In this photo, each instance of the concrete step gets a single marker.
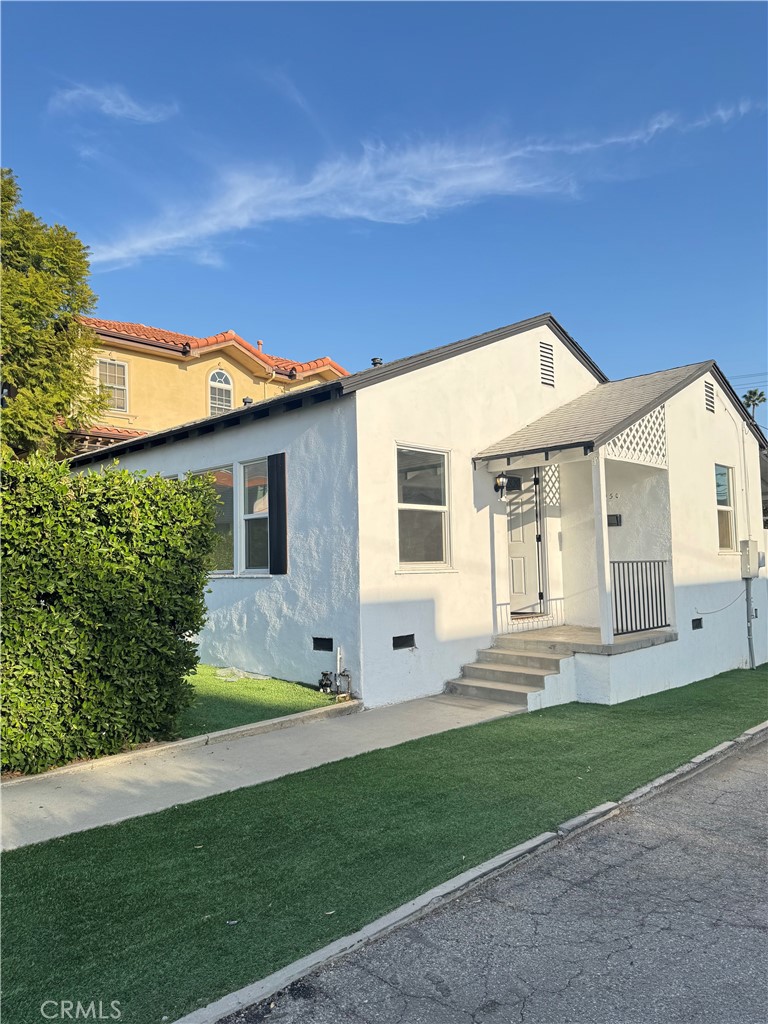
(505, 673)
(521, 659)
(487, 689)
(528, 642)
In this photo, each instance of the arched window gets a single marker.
(220, 392)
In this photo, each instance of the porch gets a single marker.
(582, 526)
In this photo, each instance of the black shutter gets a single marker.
(278, 520)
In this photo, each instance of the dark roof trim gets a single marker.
(291, 400)
(377, 374)
(588, 447)
(163, 346)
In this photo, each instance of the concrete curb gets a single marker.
(457, 886)
(348, 707)
(410, 911)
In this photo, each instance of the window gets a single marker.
(709, 396)
(260, 542)
(113, 378)
(256, 515)
(220, 392)
(725, 524)
(547, 363)
(422, 507)
(224, 547)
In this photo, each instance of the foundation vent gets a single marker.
(404, 643)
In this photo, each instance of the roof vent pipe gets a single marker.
(247, 400)
(377, 361)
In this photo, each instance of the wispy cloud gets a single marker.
(112, 101)
(384, 184)
(287, 88)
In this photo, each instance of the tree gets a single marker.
(48, 385)
(752, 400)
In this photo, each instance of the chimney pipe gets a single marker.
(377, 361)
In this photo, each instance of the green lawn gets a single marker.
(140, 911)
(222, 703)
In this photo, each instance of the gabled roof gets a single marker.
(594, 418)
(183, 344)
(376, 374)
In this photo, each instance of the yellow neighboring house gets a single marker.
(158, 379)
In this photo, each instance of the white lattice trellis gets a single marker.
(550, 486)
(644, 442)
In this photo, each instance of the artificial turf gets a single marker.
(142, 912)
(224, 701)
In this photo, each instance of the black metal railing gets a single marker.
(638, 596)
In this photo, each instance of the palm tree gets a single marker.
(752, 399)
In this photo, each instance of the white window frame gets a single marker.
(113, 387)
(730, 508)
(243, 569)
(230, 388)
(420, 567)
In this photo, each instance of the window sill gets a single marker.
(729, 551)
(422, 569)
(239, 575)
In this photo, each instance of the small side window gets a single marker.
(726, 530)
(219, 392)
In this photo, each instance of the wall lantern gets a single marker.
(500, 483)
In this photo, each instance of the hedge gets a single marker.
(104, 579)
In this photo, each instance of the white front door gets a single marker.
(523, 537)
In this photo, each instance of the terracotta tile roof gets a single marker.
(141, 332)
(118, 433)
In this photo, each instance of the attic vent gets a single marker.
(547, 359)
(709, 395)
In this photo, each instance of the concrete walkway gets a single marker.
(106, 791)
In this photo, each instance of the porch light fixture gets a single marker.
(500, 483)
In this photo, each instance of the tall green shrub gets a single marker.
(104, 578)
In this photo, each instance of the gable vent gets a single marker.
(709, 395)
(547, 360)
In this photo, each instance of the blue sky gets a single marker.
(366, 180)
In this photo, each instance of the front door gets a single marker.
(524, 543)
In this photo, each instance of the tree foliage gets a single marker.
(48, 383)
(103, 593)
(753, 399)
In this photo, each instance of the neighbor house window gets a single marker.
(223, 556)
(256, 515)
(220, 392)
(422, 507)
(725, 520)
(113, 379)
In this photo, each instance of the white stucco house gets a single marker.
(493, 517)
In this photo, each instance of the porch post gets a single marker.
(601, 547)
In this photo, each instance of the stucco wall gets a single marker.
(460, 405)
(266, 624)
(578, 544)
(164, 391)
(708, 583)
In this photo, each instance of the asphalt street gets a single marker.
(656, 917)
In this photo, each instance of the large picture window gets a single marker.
(113, 378)
(224, 545)
(726, 529)
(422, 507)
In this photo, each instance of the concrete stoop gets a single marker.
(516, 666)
